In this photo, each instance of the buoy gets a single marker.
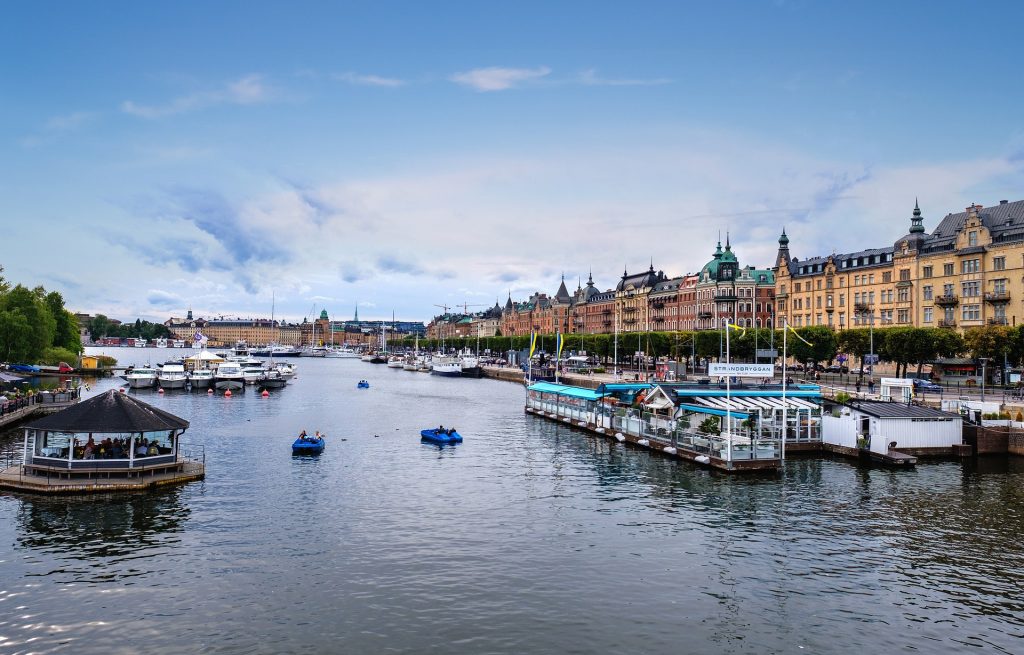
(670, 450)
(122, 389)
(227, 393)
(703, 459)
(619, 436)
(265, 393)
(161, 390)
(209, 391)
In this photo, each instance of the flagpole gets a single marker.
(728, 396)
(785, 410)
(558, 353)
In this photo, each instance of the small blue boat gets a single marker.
(363, 384)
(435, 435)
(308, 446)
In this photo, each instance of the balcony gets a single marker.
(947, 300)
(629, 321)
(946, 323)
(996, 297)
(863, 307)
(658, 304)
(659, 319)
(830, 309)
(606, 311)
(629, 310)
(726, 296)
(998, 320)
(705, 315)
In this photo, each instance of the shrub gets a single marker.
(106, 361)
(54, 356)
(709, 425)
(597, 370)
(842, 397)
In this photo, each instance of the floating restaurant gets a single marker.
(742, 428)
(109, 443)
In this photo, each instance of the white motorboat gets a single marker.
(253, 374)
(446, 366)
(178, 343)
(141, 377)
(287, 371)
(172, 376)
(161, 342)
(140, 342)
(411, 364)
(342, 353)
(229, 376)
(470, 366)
(201, 378)
(284, 351)
(395, 361)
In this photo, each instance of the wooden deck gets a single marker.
(16, 416)
(21, 478)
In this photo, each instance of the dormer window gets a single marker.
(972, 238)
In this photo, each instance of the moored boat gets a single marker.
(229, 376)
(141, 377)
(172, 376)
(201, 378)
(395, 361)
(446, 366)
(308, 446)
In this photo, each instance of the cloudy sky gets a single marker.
(397, 155)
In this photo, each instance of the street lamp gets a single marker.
(983, 360)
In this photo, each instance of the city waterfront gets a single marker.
(529, 537)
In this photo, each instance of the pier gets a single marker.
(44, 402)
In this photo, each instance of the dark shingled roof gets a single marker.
(883, 409)
(110, 412)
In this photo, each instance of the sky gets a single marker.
(254, 158)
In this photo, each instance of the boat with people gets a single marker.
(178, 343)
(172, 376)
(363, 384)
(306, 445)
(396, 361)
(286, 370)
(441, 435)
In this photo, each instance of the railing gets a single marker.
(947, 299)
(629, 310)
(998, 320)
(997, 296)
(658, 304)
(943, 323)
(42, 398)
(861, 307)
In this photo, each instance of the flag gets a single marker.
(797, 335)
(561, 342)
(741, 330)
(533, 343)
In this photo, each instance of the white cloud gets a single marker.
(591, 78)
(369, 80)
(497, 78)
(247, 90)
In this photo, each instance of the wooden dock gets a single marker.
(17, 478)
(15, 416)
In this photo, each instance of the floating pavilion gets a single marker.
(109, 443)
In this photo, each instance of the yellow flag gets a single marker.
(741, 330)
(797, 335)
(533, 343)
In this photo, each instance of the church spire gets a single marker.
(916, 223)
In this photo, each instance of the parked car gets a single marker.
(921, 386)
(24, 368)
(837, 368)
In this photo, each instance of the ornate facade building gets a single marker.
(725, 292)
(966, 273)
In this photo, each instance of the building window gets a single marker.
(947, 269)
(947, 289)
(927, 314)
(926, 271)
(970, 266)
(887, 276)
(999, 264)
(902, 295)
(904, 274)
(972, 312)
(819, 285)
(971, 289)
(871, 297)
(926, 292)
(856, 280)
(818, 302)
(902, 316)
(972, 238)
(796, 287)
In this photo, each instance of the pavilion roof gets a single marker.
(112, 411)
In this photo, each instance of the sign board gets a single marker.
(897, 382)
(741, 370)
(870, 359)
(766, 353)
(841, 358)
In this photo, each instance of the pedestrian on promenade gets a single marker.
(858, 386)
(871, 386)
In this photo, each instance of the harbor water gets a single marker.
(529, 537)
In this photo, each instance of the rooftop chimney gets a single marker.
(1003, 202)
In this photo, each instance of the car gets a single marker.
(837, 368)
(922, 386)
(24, 368)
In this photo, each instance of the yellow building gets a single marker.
(90, 361)
(964, 274)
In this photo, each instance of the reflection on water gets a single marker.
(528, 537)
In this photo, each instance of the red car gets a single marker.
(65, 368)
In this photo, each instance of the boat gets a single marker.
(446, 366)
(260, 351)
(284, 351)
(161, 342)
(139, 342)
(253, 374)
(286, 370)
(363, 384)
(178, 343)
(229, 376)
(141, 377)
(201, 378)
(410, 364)
(172, 376)
(342, 353)
(396, 362)
(470, 366)
(308, 446)
(272, 379)
(435, 435)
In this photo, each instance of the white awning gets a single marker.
(751, 404)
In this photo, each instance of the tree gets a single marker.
(66, 331)
(15, 337)
(30, 306)
(819, 344)
(100, 326)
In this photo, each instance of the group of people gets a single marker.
(871, 386)
(305, 438)
(119, 448)
(441, 430)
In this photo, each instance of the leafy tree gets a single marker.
(821, 344)
(41, 324)
(15, 337)
(66, 331)
(991, 341)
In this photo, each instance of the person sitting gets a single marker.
(302, 436)
(153, 448)
(88, 454)
(451, 431)
(316, 437)
(141, 449)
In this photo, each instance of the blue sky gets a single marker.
(402, 155)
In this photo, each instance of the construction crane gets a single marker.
(444, 307)
(466, 306)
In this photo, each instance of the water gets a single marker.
(528, 537)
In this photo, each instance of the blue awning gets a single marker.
(700, 409)
(566, 390)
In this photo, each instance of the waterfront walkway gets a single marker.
(44, 402)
